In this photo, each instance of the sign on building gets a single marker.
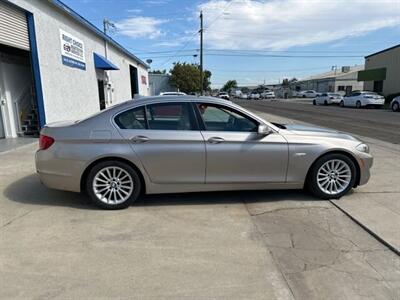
(72, 51)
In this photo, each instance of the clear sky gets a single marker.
(250, 41)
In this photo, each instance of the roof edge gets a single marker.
(65, 8)
(382, 51)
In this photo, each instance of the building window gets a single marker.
(378, 86)
(340, 88)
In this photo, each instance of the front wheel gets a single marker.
(331, 176)
(395, 106)
(314, 102)
(341, 104)
(113, 185)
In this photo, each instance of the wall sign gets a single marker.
(72, 51)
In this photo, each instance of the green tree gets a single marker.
(186, 77)
(230, 84)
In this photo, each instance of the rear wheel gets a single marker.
(331, 176)
(113, 185)
(314, 102)
(341, 104)
(325, 102)
(395, 106)
(358, 104)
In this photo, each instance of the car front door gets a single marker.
(236, 153)
(166, 139)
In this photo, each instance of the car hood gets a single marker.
(315, 131)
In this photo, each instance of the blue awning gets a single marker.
(100, 62)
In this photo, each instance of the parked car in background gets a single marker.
(308, 94)
(172, 94)
(267, 94)
(327, 99)
(223, 95)
(255, 95)
(244, 96)
(181, 144)
(360, 99)
(395, 104)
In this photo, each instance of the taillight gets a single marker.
(45, 142)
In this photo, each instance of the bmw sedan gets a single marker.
(173, 144)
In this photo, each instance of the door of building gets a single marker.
(2, 134)
(134, 80)
(102, 99)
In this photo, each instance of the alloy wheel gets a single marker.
(395, 106)
(334, 176)
(113, 185)
(358, 104)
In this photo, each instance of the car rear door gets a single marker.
(167, 140)
(236, 153)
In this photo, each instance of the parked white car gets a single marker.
(243, 96)
(327, 98)
(268, 94)
(308, 94)
(395, 104)
(223, 95)
(255, 95)
(360, 99)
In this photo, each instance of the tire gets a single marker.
(325, 103)
(341, 104)
(358, 104)
(395, 106)
(314, 102)
(112, 199)
(316, 183)
(304, 96)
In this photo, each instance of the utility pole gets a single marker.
(106, 26)
(201, 53)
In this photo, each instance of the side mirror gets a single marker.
(264, 130)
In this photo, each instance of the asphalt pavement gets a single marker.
(379, 124)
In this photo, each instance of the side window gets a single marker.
(131, 119)
(221, 118)
(170, 116)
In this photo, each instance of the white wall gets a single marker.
(71, 93)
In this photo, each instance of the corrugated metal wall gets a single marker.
(13, 27)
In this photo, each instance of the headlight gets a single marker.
(363, 148)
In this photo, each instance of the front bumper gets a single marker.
(365, 162)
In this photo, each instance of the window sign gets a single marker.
(72, 51)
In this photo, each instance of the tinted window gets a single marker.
(169, 116)
(131, 119)
(221, 118)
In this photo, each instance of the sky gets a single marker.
(253, 42)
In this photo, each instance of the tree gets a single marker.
(158, 71)
(186, 77)
(230, 84)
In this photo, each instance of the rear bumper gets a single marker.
(57, 173)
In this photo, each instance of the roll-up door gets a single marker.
(13, 27)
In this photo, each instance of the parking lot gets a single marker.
(382, 124)
(228, 245)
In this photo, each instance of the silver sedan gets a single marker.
(173, 144)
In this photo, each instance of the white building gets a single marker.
(343, 80)
(55, 65)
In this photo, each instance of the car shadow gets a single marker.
(29, 190)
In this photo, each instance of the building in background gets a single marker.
(382, 72)
(55, 65)
(343, 80)
(159, 83)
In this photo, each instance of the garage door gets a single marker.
(13, 27)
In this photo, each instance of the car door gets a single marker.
(167, 140)
(236, 153)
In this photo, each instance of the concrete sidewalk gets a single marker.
(377, 204)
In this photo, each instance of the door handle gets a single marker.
(215, 140)
(139, 139)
